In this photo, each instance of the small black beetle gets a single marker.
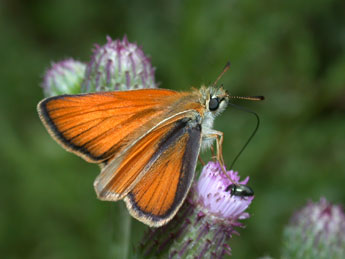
(240, 190)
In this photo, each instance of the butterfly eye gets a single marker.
(213, 104)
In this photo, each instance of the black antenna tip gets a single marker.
(258, 97)
(228, 64)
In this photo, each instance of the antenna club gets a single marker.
(227, 65)
(250, 98)
(261, 97)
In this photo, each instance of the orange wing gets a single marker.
(97, 126)
(156, 173)
(161, 192)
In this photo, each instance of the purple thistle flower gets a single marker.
(205, 222)
(316, 231)
(213, 197)
(64, 77)
(118, 65)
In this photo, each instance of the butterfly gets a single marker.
(146, 141)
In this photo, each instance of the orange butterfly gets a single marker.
(147, 142)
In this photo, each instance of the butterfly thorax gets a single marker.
(214, 101)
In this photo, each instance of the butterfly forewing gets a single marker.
(97, 126)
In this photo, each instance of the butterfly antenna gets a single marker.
(251, 136)
(226, 68)
(249, 98)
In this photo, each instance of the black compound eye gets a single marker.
(213, 104)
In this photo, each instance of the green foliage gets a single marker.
(290, 51)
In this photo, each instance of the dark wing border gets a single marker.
(57, 135)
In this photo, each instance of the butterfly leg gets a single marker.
(214, 157)
(219, 141)
(218, 135)
(201, 161)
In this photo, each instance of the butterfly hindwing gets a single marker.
(162, 190)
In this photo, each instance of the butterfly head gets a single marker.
(214, 99)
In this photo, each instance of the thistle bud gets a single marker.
(118, 65)
(316, 231)
(64, 77)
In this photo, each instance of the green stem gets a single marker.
(127, 226)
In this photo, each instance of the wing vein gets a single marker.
(166, 193)
(83, 113)
(78, 135)
(153, 192)
(79, 125)
(110, 131)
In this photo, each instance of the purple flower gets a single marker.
(213, 198)
(64, 77)
(118, 65)
(205, 222)
(316, 231)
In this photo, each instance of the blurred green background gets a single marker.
(293, 52)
